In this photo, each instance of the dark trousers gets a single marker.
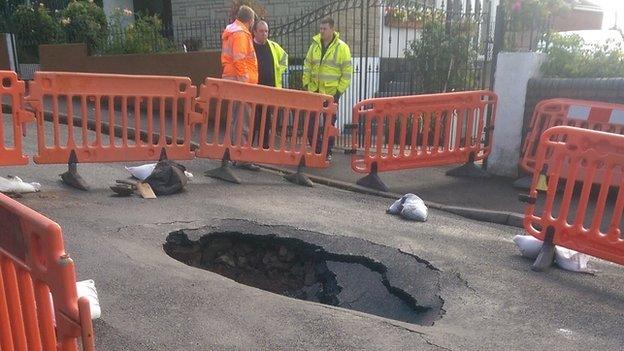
(258, 125)
(312, 127)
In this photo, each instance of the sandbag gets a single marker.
(565, 258)
(414, 209)
(410, 207)
(86, 288)
(528, 245)
(167, 178)
(143, 171)
(571, 260)
(15, 185)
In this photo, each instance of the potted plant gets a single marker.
(398, 17)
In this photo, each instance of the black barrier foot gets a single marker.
(71, 177)
(469, 169)
(546, 255)
(224, 172)
(163, 155)
(523, 183)
(298, 177)
(248, 166)
(372, 180)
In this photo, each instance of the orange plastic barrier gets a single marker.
(33, 266)
(576, 113)
(284, 120)
(576, 154)
(422, 131)
(12, 116)
(87, 106)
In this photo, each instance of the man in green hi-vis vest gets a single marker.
(327, 70)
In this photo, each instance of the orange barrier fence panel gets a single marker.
(592, 115)
(12, 117)
(585, 218)
(85, 108)
(263, 124)
(33, 267)
(422, 131)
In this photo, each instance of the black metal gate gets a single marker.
(399, 47)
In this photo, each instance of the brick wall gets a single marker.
(596, 89)
(578, 20)
(188, 10)
(74, 58)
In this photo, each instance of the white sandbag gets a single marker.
(142, 172)
(189, 175)
(565, 258)
(87, 289)
(414, 208)
(528, 245)
(571, 260)
(396, 207)
(15, 185)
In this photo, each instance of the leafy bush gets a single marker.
(142, 36)
(571, 57)
(441, 58)
(84, 22)
(34, 26)
(529, 22)
(255, 5)
(530, 9)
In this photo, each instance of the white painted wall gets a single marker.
(365, 80)
(513, 72)
(394, 41)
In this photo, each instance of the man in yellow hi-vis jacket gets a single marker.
(272, 63)
(272, 59)
(327, 69)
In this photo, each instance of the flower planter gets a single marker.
(400, 23)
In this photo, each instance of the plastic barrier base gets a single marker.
(71, 177)
(224, 172)
(546, 256)
(469, 170)
(298, 177)
(372, 180)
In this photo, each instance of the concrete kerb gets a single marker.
(499, 217)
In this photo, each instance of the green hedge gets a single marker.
(571, 57)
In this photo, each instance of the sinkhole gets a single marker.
(308, 271)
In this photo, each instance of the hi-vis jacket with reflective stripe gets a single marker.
(280, 61)
(238, 56)
(330, 74)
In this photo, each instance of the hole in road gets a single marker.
(294, 268)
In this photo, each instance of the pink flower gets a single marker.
(517, 6)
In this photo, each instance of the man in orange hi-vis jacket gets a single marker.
(238, 59)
